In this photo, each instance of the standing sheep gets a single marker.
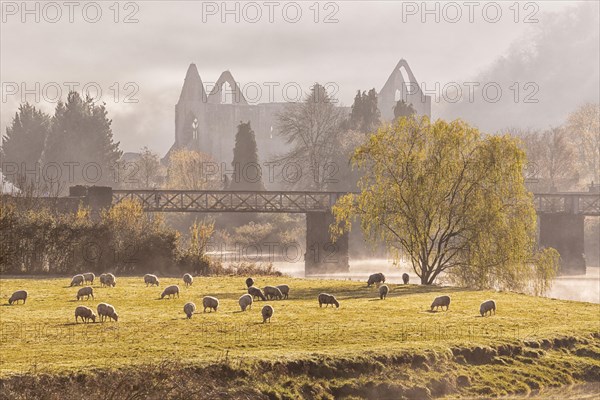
(170, 291)
(383, 291)
(107, 311)
(246, 301)
(189, 309)
(487, 306)
(188, 279)
(256, 292)
(285, 290)
(405, 278)
(111, 280)
(18, 295)
(89, 277)
(77, 280)
(249, 282)
(271, 292)
(151, 280)
(267, 312)
(376, 278)
(211, 303)
(85, 313)
(441, 301)
(328, 299)
(85, 291)
(102, 279)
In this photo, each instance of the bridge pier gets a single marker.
(565, 233)
(322, 254)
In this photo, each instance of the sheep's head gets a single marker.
(115, 316)
(10, 301)
(337, 304)
(93, 317)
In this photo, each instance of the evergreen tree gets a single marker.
(401, 109)
(23, 144)
(81, 135)
(247, 171)
(365, 116)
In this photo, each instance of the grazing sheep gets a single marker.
(18, 295)
(111, 280)
(85, 291)
(89, 277)
(285, 290)
(256, 292)
(383, 291)
(77, 280)
(405, 278)
(170, 291)
(85, 313)
(272, 292)
(487, 306)
(151, 280)
(102, 280)
(246, 301)
(189, 309)
(441, 301)
(328, 299)
(267, 313)
(211, 303)
(107, 311)
(188, 279)
(376, 278)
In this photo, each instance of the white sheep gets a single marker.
(170, 291)
(441, 301)
(111, 280)
(77, 280)
(89, 277)
(267, 312)
(18, 295)
(256, 292)
(107, 311)
(328, 299)
(246, 301)
(85, 313)
(376, 278)
(188, 279)
(405, 278)
(189, 309)
(285, 290)
(151, 280)
(211, 303)
(383, 291)
(487, 306)
(85, 291)
(271, 292)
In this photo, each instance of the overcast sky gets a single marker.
(551, 54)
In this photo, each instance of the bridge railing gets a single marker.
(308, 201)
(567, 203)
(230, 201)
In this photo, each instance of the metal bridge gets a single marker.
(217, 201)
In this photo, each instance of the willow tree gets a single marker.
(452, 200)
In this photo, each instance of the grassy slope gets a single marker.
(41, 336)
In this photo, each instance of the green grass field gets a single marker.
(42, 334)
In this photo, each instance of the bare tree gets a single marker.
(312, 127)
(584, 130)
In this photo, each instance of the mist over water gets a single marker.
(574, 287)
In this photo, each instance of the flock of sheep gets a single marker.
(279, 292)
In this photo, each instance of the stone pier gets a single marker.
(565, 233)
(322, 254)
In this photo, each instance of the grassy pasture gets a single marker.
(42, 336)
